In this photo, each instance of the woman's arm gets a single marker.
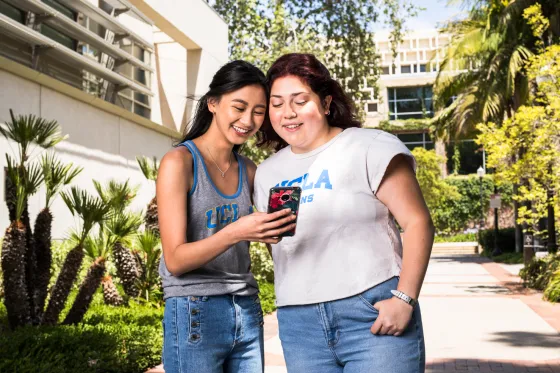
(400, 192)
(172, 186)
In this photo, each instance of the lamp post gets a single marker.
(481, 172)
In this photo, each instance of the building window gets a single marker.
(61, 8)
(410, 102)
(414, 140)
(12, 12)
(423, 68)
(59, 37)
(372, 107)
(385, 70)
(134, 101)
(405, 69)
(470, 156)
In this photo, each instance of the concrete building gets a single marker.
(115, 74)
(405, 93)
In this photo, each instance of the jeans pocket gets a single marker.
(194, 320)
(378, 293)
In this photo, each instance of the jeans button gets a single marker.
(194, 337)
(194, 312)
(195, 324)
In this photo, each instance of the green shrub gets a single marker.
(261, 262)
(539, 273)
(506, 240)
(267, 296)
(508, 258)
(552, 291)
(460, 237)
(119, 340)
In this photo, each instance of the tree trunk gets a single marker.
(43, 254)
(151, 218)
(126, 269)
(13, 270)
(63, 285)
(85, 294)
(111, 294)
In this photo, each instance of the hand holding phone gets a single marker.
(281, 198)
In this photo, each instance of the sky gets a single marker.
(435, 13)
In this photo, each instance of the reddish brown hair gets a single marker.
(313, 73)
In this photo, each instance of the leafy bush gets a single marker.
(261, 262)
(267, 296)
(541, 273)
(506, 240)
(460, 237)
(552, 291)
(508, 258)
(110, 339)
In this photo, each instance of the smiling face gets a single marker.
(239, 115)
(297, 114)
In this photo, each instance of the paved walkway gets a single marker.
(477, 317)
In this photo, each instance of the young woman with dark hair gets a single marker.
(213, 318)
(346, 287)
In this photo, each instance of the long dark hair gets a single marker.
(229, 78)
(313, 73)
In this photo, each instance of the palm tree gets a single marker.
(491, 49)
(26, 130)
(123, 226)
(150, 171)
(97, 249)
(148, 249)
(92, 211)
(111, 294)
(56, 175)
(14, 247)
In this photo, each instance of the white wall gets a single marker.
(104, 144)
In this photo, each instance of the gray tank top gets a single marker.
(208, 211)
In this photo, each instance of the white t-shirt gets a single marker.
(346, 240)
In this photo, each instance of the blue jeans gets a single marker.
(335, 337)
(216, 334)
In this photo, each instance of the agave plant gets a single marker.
(92, 211)
(123, 226)
(14, 247)
(150, 170)
(97, 250)
(26, 130)
(56, 175)
(148, 249)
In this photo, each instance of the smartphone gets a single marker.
(281, 198)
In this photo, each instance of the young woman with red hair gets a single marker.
(346, 286)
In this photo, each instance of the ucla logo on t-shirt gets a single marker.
(306, 183)
(223, 215)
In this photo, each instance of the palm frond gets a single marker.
(517, 61)
(149, 169)
(90, 209)
(124, 224)
(98, 246)
(56, 175)
(27, 129)
(115, 194)
(17, 180)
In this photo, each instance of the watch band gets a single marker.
(402, 296)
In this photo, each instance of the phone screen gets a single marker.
(281, 198)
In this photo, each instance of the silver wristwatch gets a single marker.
(402, 296)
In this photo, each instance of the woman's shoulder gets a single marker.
(178, 158)
(370, 135)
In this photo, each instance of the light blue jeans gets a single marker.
(335, 337)
(217, 334)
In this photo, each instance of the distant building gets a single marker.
(405, 94)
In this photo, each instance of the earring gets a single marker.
(328, 112)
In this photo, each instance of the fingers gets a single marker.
(277, 215)
(279, 222)
(277, 232)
